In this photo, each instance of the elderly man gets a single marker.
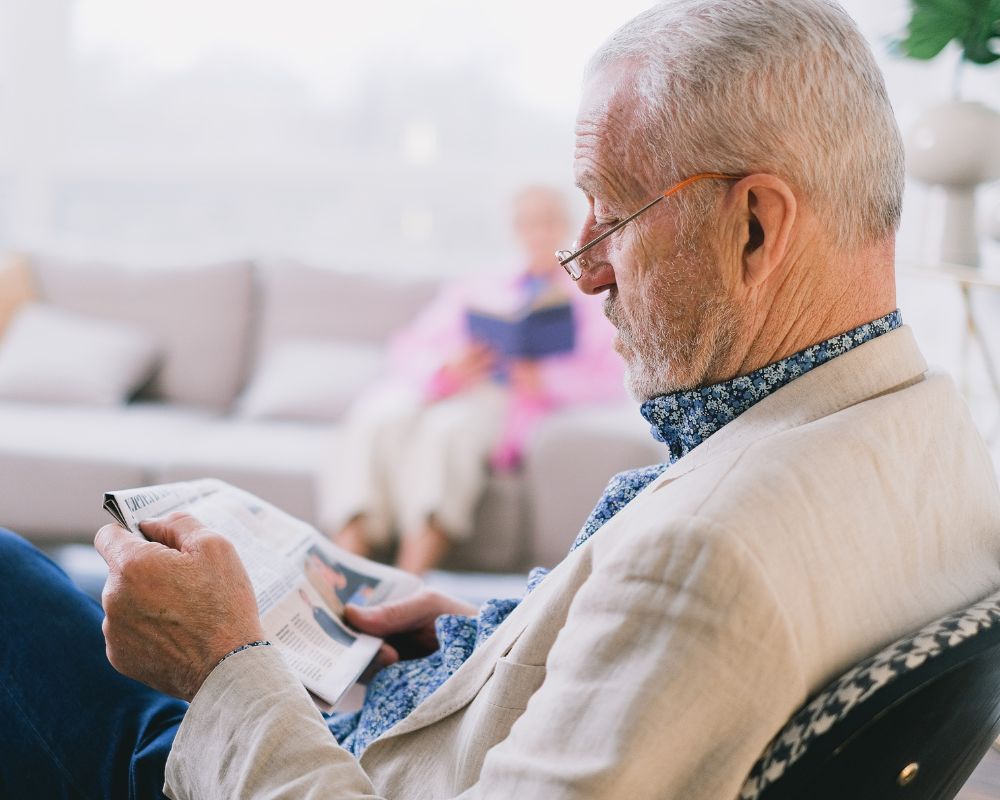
(824, 493)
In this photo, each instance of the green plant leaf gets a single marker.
(926, 38)
(975, 24)
(980, 30)
(978, 51)
(934, 23)
(961, 11)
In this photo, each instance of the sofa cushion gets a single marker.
(286, 463)
(200, 316)
(136, 433)
(59, 499)
(570, 459)
(292, 465)
(57, 461)
(50, 355)
(310, 379)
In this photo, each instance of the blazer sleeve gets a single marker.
(251, 732)
(675, 667)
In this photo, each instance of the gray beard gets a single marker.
(648, 363)
(660, 359)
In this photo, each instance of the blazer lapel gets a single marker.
(462, 687)
(881, 365)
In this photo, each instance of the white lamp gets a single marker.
(955, 147)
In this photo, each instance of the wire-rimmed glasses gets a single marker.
(570, 259)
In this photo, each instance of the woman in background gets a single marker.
(417, 450)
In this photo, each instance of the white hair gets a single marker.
(787, 87)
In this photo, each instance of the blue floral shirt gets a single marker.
(682, 421)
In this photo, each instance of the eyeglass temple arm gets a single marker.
(617, 226)
(671, 191)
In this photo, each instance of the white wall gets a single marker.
(387, 136)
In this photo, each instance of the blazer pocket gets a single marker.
(512, 684)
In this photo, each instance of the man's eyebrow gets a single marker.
(585, 182)
(591, 184)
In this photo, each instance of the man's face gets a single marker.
(665, 293)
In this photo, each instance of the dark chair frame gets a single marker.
(917, 737)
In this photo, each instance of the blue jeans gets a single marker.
(70, 726)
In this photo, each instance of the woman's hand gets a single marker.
(407, 625)
(526, 378)
(473, 365)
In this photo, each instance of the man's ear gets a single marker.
(767, 207)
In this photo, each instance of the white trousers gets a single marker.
(401, 461)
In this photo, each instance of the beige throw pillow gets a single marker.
(200, 317)
(16, 289)
(55, 356)
(310, 380)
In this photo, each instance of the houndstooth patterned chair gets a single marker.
(912, 721)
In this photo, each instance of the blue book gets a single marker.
(533, 333)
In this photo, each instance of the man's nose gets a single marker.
(598, 275)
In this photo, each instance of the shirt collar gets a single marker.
(683, 420)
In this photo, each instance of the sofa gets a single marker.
(217, 354)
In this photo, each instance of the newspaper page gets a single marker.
(301, 579)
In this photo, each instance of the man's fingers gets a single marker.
(116, 544)
(385, 656)
(176, 530)
(405, 616)
(389, 618)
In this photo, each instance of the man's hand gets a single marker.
(175, 605)
(406, 625)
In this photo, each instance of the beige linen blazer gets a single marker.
(657, 660)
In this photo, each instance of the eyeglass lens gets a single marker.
(571, 267)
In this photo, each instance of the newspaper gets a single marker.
(302, 580)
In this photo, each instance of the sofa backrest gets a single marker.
(213, 322)
(201, 318)
(302, 302)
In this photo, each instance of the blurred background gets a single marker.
(384, 141)
(387, 137)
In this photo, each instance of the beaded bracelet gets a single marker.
(243, 647)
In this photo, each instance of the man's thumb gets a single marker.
(176, 531)
(385, 619)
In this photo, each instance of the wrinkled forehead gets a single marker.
(608, 154)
